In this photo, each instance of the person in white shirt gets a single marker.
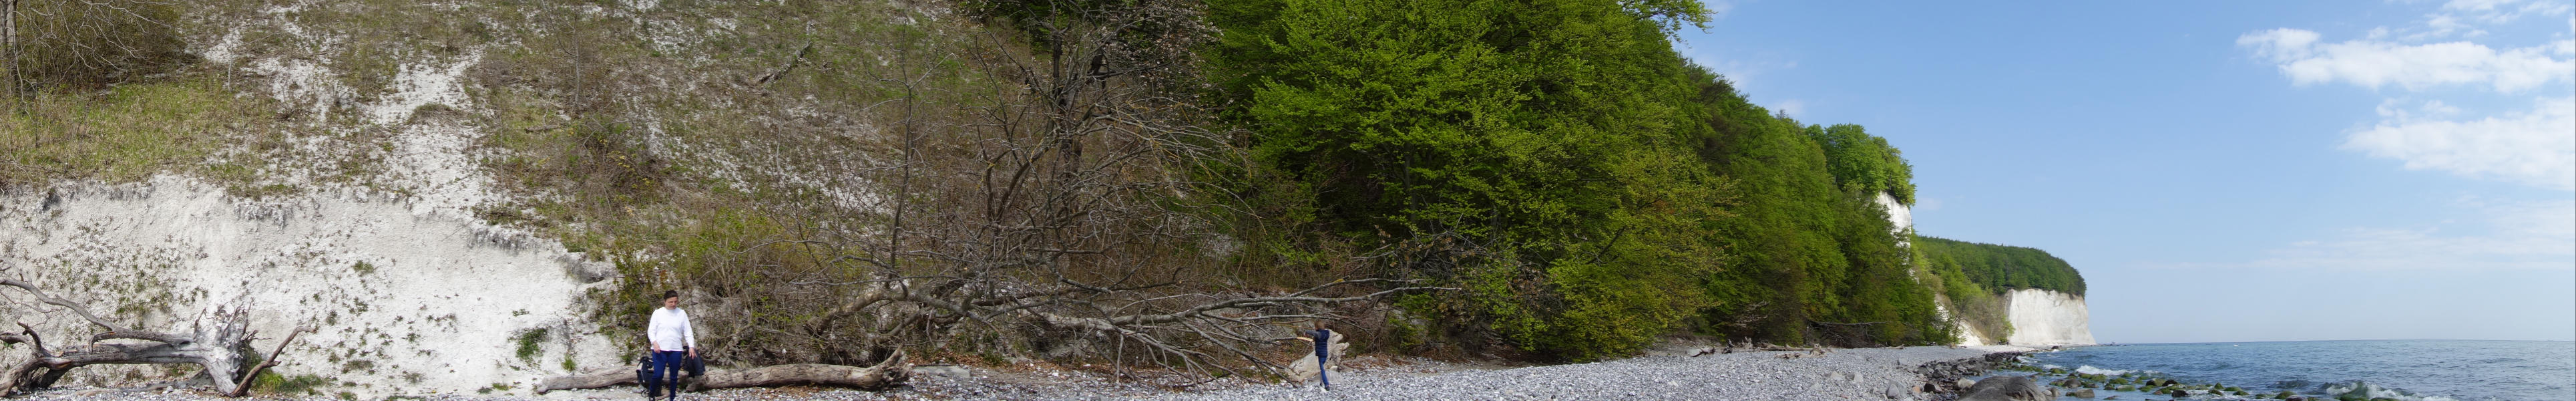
(672, 341)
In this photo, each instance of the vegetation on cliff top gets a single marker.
(1586, 188)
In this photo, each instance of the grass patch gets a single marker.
(275, 384)
(529, 344)
(125, 134)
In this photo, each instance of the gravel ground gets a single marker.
(1841, 374)
(1847, 374)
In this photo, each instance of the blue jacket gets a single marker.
(1323, 340)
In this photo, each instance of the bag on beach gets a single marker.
(644, 372)
(694, 365)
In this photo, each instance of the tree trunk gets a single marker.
(9, 45)
(219, 341)
(893, 371)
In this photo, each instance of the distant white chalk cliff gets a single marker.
(2038, 317)
(2043, 317)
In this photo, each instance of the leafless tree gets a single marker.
(82, 44)
(219, 342)
(1060, 216)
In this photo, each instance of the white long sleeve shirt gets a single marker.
(669, 330)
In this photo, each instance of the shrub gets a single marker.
(82, 45)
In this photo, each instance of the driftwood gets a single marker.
(889, 373)
(219, 341)
(243, 388)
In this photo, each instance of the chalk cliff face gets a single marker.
(1968, 335)
(2038, 317)
(407, 297)
(1897, 213)
(2043, 317)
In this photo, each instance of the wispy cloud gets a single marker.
(2503, 11)
(2373, 63)
(1791, 107)
(2512, 235)
(2468, 18)
(2535, 147)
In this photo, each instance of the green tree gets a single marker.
(1542, 132)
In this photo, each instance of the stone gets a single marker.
(1965, 383)
(2007, 388)
(1896, 392)
(944, 371)
(2180, 393)
(1304, 369)
(2085, 393)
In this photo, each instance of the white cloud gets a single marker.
(2502, 11)
(2440, 26)
(2517, 235)
(2535, 147)
(2373, 64)
(1791, 107)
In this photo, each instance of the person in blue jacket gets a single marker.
(1323, 349)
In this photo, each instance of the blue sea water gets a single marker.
(2463, 370)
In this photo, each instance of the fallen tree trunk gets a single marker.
(889, 373)
(219, 342)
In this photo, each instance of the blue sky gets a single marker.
(2219, 171)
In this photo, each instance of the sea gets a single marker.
(2413, 370)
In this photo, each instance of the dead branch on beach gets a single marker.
(893, 371)
(218, 341)
(1060, 216)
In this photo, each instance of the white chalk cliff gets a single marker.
(2038, 317)
(2043, 317)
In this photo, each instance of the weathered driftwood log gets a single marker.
(891, 372)
(219, 341)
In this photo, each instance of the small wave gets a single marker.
(2367, 390)
(2090, 370)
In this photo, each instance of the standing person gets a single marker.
(1323, 349)
(672, 342)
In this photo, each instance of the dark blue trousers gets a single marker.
(666, 373)
(1320, 372)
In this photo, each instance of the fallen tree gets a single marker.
(1069, 215)
(889, 373)
(217, 341)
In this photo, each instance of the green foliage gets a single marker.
(124, 134)
(1865, 163)
(1816, 260)
(1999, 268)
(269, 381)
(1526, 150)
(1587, 189)
(529, 343)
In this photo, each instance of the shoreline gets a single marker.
(1832, 374)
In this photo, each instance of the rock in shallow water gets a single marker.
(2007, 388)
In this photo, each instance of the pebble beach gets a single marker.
(1832, 375)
